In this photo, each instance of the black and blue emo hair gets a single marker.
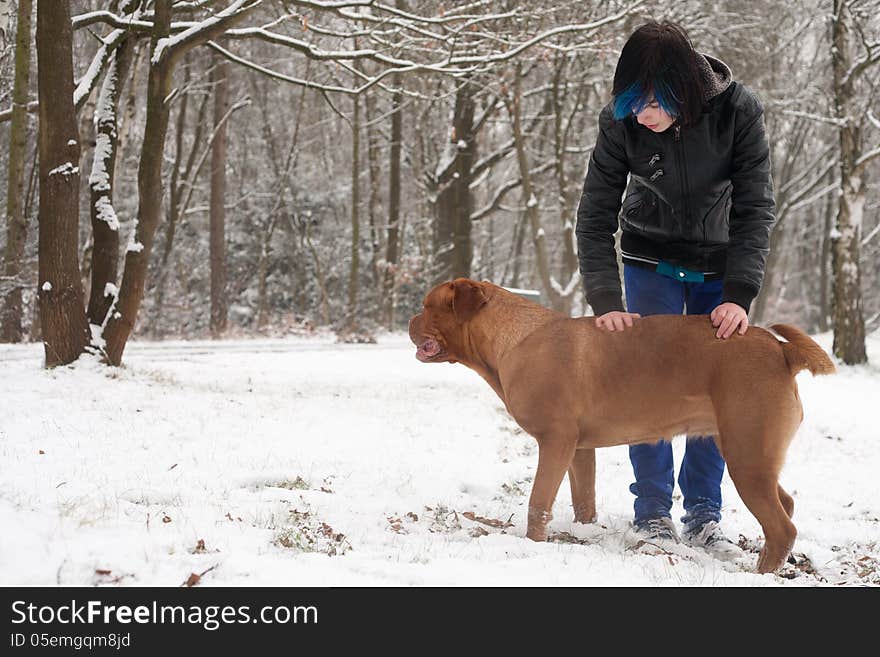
(659, 61)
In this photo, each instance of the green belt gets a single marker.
(679, 273)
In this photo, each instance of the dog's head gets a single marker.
(438, 331)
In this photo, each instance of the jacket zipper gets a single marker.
(682, 178)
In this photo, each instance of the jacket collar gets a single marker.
(715, 74)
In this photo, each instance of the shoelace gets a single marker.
(711, 534)
(658, 528)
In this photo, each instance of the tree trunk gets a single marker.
(355, 223)
(324, 303)
(218, 194)
(778, 241)
(127, 115)
(847, 317)
(557, 301)
(263, 274)
(391, 244)
(121, 322)
(105, 224)
(374, 189)
(453, 247)
(62, 315)
(16, 221)
(824, 303)
(568, 265)
(516, 257)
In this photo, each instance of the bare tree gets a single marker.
(849, 64)
(393, 229)
(16, 221)
(165, 52)
(62, 314)
(105, 224)
(219, 77)
(452, 183)
(560, 299)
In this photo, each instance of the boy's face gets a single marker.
(654, 117)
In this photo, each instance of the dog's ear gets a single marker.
(467, 298)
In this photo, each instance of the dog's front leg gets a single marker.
(582, 477)
(555, 453)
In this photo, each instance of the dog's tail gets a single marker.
(802, 353)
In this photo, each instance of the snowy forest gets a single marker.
(270, 167)
(219, 216)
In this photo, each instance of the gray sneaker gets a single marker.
(657, 529)
(710, 537)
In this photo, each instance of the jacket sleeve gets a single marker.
(753, 210)
(597, 217)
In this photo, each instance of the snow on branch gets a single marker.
(462, 50)
(815, 117)
(327, 4)
(203, 31)
(865, 158)
(88, 81)
(448, 62)
(562, 29)
(870, 58)
(114, 20)
(310, 84)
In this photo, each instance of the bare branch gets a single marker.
(495, 203)
(171, 48)
(316, 85)
(838, 123)
(860, 164)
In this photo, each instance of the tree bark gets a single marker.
(373, 195)
(16, 221)
(355, 223)
(847, 317)
(219, 77)
(453, 247)
(122, 319)
(824, 302)
(568, 265)
(62, 314)
(391, 243)
(105, 224)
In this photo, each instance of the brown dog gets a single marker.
(575, 387)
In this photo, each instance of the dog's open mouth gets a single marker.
(428, 350)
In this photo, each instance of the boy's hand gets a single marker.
(727, 318)
(616, 320)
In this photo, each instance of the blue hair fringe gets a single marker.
(633, 99)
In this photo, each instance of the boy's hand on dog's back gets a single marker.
(727, 318)
(616, 320)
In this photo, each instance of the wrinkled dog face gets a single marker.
(437, 330)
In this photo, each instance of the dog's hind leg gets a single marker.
(582, 477)
(760, 491)
(555, 453)
(756, 429)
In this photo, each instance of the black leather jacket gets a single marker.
(699, 197)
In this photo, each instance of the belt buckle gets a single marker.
(679, 273)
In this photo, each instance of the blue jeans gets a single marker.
(650, 293)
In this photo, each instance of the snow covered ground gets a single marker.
(302, 462)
